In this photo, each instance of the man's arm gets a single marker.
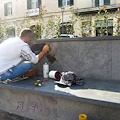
(45, 49)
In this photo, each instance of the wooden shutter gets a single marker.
(96, 3)
(60, 2)
(71, 2)
(29, 4)
(9, 9)
(5, 9)
(39, 3)
(106, 2)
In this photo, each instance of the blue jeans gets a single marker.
(16, 71)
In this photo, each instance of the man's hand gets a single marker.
(46, 48)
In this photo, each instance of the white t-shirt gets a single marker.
(13, 51)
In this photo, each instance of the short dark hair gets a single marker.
(27, 33)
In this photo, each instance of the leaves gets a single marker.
(82, 23)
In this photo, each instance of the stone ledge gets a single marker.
(98, 92)
(9, 116)
(80, 39)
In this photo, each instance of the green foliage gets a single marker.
(1, 32)
(102, 19)
(84, 24)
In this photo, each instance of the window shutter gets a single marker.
(39, 3)
(5, 10)
(9, 8)
(60, 3)
(29, 4)
(71, 2)
(96, 3)
(106, 2)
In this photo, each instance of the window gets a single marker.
(101, 2)
(66, 2)
(33, 4)
(62, 3)
(10, 32)
(8, 9)
(86, 29)
(104, 28)
(106, 2)
(67, 28)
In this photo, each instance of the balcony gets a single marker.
(112, 5)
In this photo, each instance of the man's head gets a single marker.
(28, 36)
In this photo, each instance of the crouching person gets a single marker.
(17, 58)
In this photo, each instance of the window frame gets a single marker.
(60, 3)
(37, 4)
(66, 3)
(67, 28)
(86, 29)
(101, 27)
(8, 11)
(99, 3)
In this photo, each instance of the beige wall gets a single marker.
(51, 6)
(20, 6)
(18, 9)
(117, 1)
(53, 9)
(83, 3)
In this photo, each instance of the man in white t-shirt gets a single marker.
(14, 51)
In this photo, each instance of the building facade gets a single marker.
(81, 17)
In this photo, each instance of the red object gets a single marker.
(45, 79)
(105, 6)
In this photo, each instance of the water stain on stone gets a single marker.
(37, 48)
(51, 58)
